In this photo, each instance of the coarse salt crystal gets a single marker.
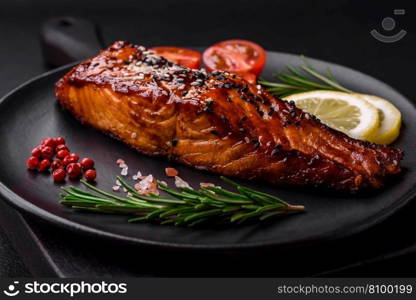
(133, 135)
(120, 161)
(146, 185)
(137, 176)
(179, 182)
(206, 184)
(171, 172)
(118, 182)
(124, 171)
(116, 187)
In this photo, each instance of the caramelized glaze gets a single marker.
(216, 121)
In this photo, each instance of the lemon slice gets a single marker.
(345, 112)
(390, 120)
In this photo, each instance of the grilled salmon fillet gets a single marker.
(217, 122)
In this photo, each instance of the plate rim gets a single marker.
(28, 208)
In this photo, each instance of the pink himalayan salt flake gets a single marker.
(147, 185)
(171, 172)
(179, 182)
(120, 161)
(116, 187)
(206, 184)
(153, 188)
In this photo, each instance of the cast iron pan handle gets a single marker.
(68, 39)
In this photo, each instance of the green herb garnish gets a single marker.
(301, 79)
(185, 206)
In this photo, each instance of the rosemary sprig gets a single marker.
(185, 206)
(301, 79)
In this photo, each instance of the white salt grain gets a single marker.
(137, 176)
(179, 182)
(124, 171)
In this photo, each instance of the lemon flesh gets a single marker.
(390, 120)
(346, 112)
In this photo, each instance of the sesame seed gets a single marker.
(224, 118)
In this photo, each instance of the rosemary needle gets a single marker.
(184, 207)
(301, 79)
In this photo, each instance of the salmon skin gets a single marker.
(217, 122)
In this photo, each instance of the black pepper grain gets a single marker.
(274, 152)
(209, 106)
(260, 112)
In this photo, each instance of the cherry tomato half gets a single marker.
(237, 56)
(184, 57)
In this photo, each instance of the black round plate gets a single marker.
(30, 113)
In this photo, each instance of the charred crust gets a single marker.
(107, 69)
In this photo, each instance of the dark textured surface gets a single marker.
(11, 264)
(289, 26)
(24, 124)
